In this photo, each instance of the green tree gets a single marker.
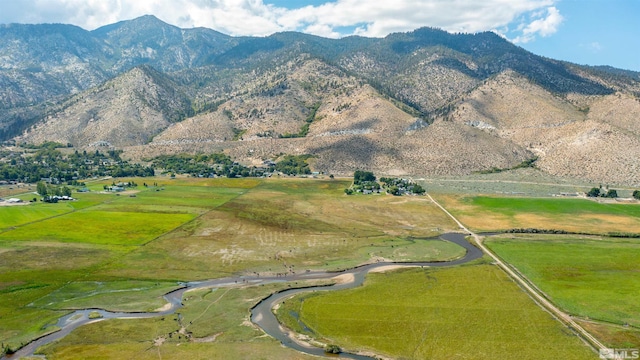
(611, 193)
(41, 188)
(66, 191)
(360, 176)
(636, 194)
(417, 189)
(294, 164)
(332, 349)
(594, 192)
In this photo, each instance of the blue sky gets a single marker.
(595, 32)
(592, 32)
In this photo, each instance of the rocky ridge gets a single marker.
(418, 103)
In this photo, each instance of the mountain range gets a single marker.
(425, 102)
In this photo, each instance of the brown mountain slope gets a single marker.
(593, 138)
(307, 106)
(354, 127)
(594, 151)
(128, 110)
(427, 79)
(620, 110)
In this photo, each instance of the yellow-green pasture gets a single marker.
(493, 213)
(467, 312)
(214, 324)
(84, 253)
(48, 249)
(284, 226)
(594, 278)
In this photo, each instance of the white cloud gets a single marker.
(543, 26)
(258, 17)
(593, 47)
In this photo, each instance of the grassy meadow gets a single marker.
(467, 312)
(213, 324)
(122, 251)
(593, 278)
(281, 226)
(52, 253)
(23, 214)
(129, 295)
(574, 215)
(100, 227)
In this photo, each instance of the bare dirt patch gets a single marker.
(387, 268)
(159, 341)
(6, 203)
(207, 339)
(344, 278)
(165, 307)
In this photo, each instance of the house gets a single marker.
(100, 143)
(50, 180)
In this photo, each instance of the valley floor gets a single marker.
(122, 253)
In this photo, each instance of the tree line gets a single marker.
(49, 164)
(365, 182)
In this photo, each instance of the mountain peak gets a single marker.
(139, 25)
(353, 102)
(149, 20)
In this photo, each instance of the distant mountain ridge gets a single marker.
(422, 102)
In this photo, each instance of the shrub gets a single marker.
(332, 349)
(594, 192)
(363, 176)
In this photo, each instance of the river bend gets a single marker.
(261, 314)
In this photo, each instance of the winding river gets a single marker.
(261, 314)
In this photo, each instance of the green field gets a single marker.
(468, 312)
(50, 252)
(294, 224)
(100, 227)
(554, 206)
(574, 215)
(89, 252)
(213, 325)
(23, 214)
(130, 295)
(592, 278)
(123, 251)
(30, 271)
